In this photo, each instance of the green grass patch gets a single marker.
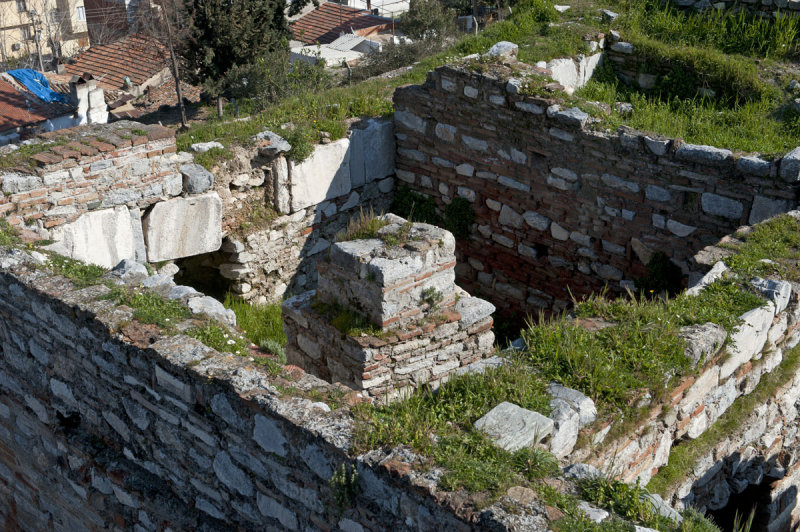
(149, 307)
(439, 425)
(210, 158)
(729, 31)
(777, 240)
(309, 113)
(80, 273)
(684, 455)
(639, 355)
(758, 125)
(260, 323)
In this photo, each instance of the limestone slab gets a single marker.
(324, 175)
(512, 427)
(183, 227)
(103, 237)
(748, 338)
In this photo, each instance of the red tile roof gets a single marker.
(135, 56)
(19, 108)
(325, 23)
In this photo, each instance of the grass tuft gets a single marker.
(364, 225)
(80, 273)
(262, 324)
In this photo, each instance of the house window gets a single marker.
(21, 7)
(26, 33)
(80, 11)
(54, 17)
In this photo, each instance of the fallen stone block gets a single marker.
(202, 147)
(512, 427)
(566, 425)
(584, 406)
(196, 179)
(213, 309)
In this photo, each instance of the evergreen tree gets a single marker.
(226, 35)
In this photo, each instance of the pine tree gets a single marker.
(225, 35)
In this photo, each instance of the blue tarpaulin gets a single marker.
(36, 83)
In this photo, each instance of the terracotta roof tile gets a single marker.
(135, 56)
(19, 107)
(325, 23)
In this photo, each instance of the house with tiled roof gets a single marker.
(330, 20)
(129, 65)
(25, 110)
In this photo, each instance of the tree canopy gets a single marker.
(224, 35)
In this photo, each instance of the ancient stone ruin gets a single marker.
(402, 285)
(107, 421)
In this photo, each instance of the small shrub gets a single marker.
(415, 206)
(629, 502)
(344, 484)
(432, 297)
(459, 217)
(276, 348)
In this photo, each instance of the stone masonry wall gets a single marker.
(765, 450)
(694, 404)
(314, 200)
(100, 432)
(92, 167)
(560, 207)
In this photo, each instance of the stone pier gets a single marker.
(387, 316)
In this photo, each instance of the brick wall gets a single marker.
(92, 167)
(560, 207)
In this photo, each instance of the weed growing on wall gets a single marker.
(364, 225)
(344, 484)
(9, 236)
(459, 215)
(346, 320)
